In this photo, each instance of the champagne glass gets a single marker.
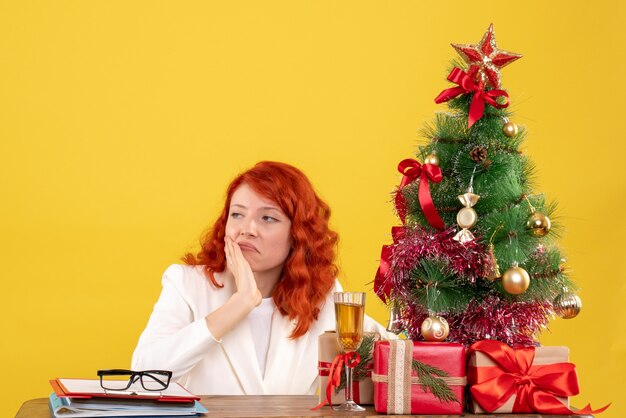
(349, 311)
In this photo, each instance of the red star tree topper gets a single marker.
(485, 59)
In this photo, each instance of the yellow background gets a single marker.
(121, 123)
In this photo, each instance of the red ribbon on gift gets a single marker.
(411, 170)
(536, 387)
(382, 282)
(336, 367)
(467, 85)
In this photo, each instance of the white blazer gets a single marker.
(177, 338)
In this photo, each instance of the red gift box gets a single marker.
(521, 380)
(397, 389)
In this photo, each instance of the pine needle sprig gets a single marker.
(437, 287)
(446, 128)
(431, 381)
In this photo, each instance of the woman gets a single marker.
(243, 315)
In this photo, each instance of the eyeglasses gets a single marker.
(120, 379)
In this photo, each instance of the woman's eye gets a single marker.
(270, 219)
(236, 215)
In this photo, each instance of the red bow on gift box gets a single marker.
(536, 387)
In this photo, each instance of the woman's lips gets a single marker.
(247, 247)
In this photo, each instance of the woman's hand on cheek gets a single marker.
(240, 268)
(221, 321)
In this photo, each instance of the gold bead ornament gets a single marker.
(510, 129)
(539, 224)
(515, 280)
(435, 328)
(567, 305)
(431, 159)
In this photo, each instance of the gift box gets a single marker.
(400, 389)
(519, 380)
(363, 389)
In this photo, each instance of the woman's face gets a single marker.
(261, 229)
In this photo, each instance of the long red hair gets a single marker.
(309, 271)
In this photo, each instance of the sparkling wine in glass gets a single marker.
(349, 311)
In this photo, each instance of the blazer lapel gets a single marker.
(239, 348)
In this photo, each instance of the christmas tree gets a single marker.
(475, 257)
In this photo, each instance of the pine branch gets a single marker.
(437, 287)
(431, 381)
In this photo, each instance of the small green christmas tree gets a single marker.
(475, 257)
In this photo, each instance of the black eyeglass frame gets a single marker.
(161, 377)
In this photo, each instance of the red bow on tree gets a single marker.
(536, 387)
(467, 85)
(411, 170)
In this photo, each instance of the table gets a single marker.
(273, 406)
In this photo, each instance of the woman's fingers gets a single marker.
(241, 270)
(238, 255)
(231, 256)
(237, 263)
(226, 250)
(242, 264)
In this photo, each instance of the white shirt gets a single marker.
(260, 319)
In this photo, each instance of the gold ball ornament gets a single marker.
(515, 280)
(567, 305)
(431, 159)
(539, 224)
(510, 129)
(435, 328)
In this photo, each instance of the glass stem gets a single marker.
(349, 384)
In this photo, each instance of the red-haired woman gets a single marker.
(243, 315)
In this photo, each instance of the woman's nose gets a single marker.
(248, 228)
